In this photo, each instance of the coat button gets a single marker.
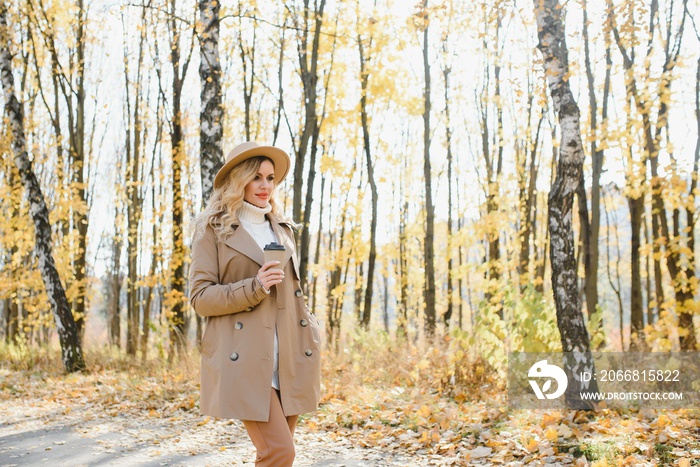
(298, 293)
(239, 325)
(309, 352)
(303, 322)
(233, 356)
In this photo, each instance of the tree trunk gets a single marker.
(11, 320)
(364, 81)
(308, 203)
(334, 297)
(614, 284)
(133, 177)
(597, 156)
(72, 354)
(247, 56)
(385, 313)
(429, 290)
(585, 233)
(402, 318)
(210, 129)
(570, 321)
(179, 64)
(319, 236)
(308, 69)
(636, 207)
(652, 315)
(11, 303)
(77, 144)
(115, 286)
(527, 197)
(146, 321)
(280, 85)
(492, 153)
(686, 319)
(542, 263)
(359, 283)
(177, 281)
(447, 316)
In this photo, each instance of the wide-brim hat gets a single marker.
(248, 150)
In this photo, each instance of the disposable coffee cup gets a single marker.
(274, 252)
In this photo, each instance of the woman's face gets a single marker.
(258, 191)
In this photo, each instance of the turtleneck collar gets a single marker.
(253, 214)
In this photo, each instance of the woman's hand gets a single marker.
(268, 276)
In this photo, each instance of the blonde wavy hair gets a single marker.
(222, 209)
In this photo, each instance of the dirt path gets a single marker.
(37, 432)
(143, 417)
(46, 433)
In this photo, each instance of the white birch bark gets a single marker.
(574, 336)
(211, 131)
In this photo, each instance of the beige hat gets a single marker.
(251, 149)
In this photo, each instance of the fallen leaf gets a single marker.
(478, 452)
(551, 433)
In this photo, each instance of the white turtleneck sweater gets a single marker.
(253, 219)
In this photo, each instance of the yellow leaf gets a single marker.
(551, 433)
(548, 419)
(424, 411)
(531, 444)
(204, 422)
(425, 437)
(661, 422)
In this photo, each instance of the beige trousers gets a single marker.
(273, 439)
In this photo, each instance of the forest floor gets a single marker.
(134, 416)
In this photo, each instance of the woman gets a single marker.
(261, 346)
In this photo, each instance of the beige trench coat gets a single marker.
(237, 345)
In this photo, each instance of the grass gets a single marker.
(596, 451)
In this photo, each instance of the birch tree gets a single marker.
(210, 129)
(570, 321)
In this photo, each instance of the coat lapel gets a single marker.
(244, 243)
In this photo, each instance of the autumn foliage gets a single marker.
(427, 172)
